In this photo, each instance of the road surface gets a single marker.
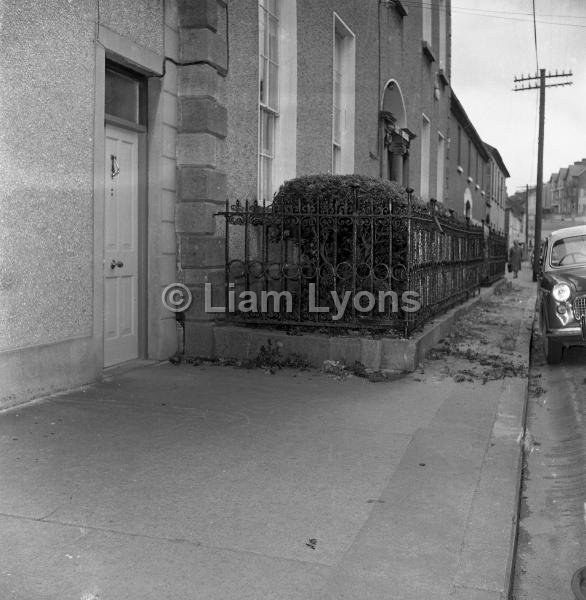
(552, 534)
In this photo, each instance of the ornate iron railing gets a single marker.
(444, 257)
(496, 256)
(351, 263)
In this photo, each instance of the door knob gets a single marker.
(116, 263)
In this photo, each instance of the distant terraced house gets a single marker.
(568, 189)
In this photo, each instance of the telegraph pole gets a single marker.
(527, 218)
(539, 189)
(542, 77)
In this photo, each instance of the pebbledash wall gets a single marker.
(52, 72)
(399, 66)
(201, 62)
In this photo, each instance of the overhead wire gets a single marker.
(511, 12)
(514, 16)
(535, 36)
(501, 14)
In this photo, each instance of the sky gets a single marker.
(492, 42)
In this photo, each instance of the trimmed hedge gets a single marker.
(333, 192)
(338, 195)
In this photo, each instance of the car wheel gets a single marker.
(553, 350)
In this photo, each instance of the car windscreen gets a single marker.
(569, 251)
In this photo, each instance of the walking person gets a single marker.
(515, 256)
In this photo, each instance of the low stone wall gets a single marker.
(387, 354)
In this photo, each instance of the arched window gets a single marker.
(395, 137)
(468, 203)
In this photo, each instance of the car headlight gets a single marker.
(561, 292)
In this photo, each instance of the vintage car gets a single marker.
(562, 291)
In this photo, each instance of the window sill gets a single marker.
(443, 77)
(401, 9)
(427, 51)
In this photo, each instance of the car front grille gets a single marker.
(579, 307)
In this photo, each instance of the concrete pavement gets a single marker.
(183, 482)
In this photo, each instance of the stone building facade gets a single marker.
(333, 86)
(496, 189)
(468, 166)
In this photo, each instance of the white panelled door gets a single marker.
(120, 246)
